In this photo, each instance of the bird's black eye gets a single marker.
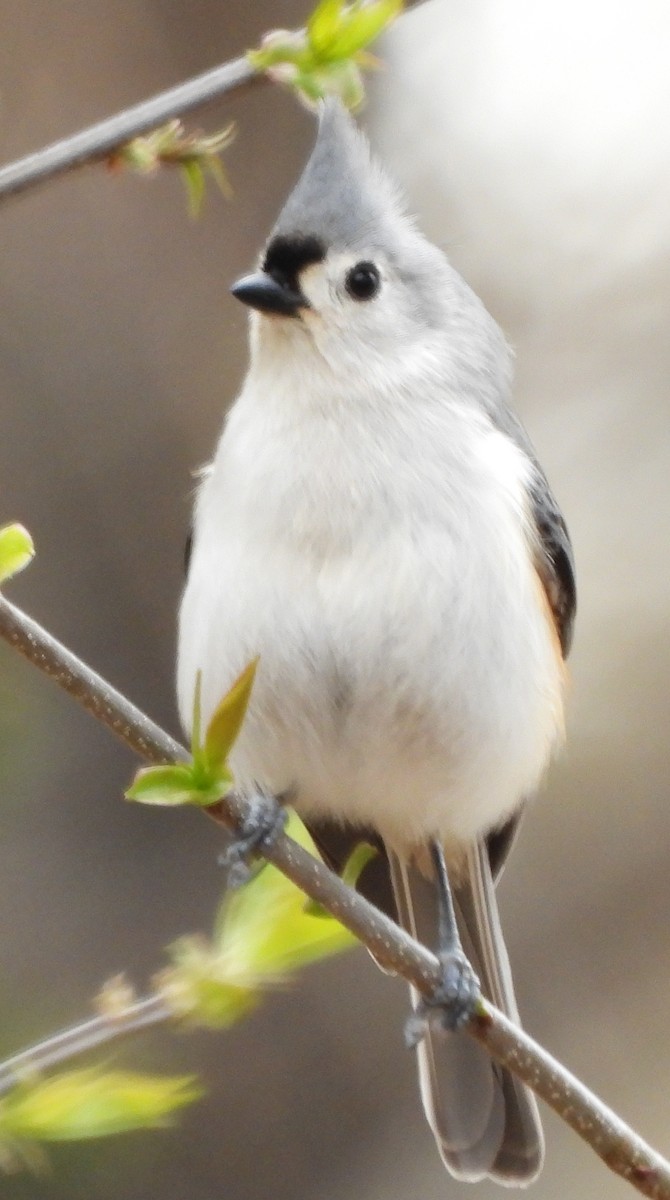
(363, 281)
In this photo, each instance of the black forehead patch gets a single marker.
(286, 256)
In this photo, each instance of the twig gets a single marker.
(101, 140)
(92, 691)
(79, 1039)
(615, 1143)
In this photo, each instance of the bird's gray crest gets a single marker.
(342, 199)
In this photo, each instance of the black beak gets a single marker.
(266, 294)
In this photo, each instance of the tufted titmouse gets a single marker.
(376, 528)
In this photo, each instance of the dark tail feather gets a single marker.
(485, 1122)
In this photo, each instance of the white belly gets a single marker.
(410, 681)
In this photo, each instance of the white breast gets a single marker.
(379, 563)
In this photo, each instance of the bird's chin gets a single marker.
(271, 328)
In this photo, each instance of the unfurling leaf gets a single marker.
(16, 550)
(88, 1104)
(323, 24)
(361, 855)
(194, 180)
(262, 934)
(207, 778)
(327, 57)
(227, 721)
(362, 26)
(265, 928)
(174, 785)
(205, 986)
(196, 154)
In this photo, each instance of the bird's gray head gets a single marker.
(346, 275)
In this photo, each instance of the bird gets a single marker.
(376, 530)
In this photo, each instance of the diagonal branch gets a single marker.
(80, 1039)
(93, 692)
(615, 1143)
(99, 141)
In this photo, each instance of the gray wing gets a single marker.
(556, 566)
(188, 547)
(555, 562)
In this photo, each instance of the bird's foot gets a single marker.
(453, 1002)
(263, 823)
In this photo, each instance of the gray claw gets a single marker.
(452, 1004)
(459, 992)
(264, 822)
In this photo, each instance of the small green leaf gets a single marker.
(327, 57)
(361, 855)
(194, 179)
(362, 26)
(16, 550)
(174, 785)
(205, 986)
(323, 24)
(263, 933)
(264, 928)
(162, 785)
(227, 720)
(90, 1104)
(215, 170)
(196, 154)
(179, 784)
(207, 778)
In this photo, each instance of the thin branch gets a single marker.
(93, 692)
(79, 1039)
(615, 1143)
(99, 141)
(103, 139)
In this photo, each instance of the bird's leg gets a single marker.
(454, 1001)
(459, 990)
(264, 822)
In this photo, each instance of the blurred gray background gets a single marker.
(533, 142)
